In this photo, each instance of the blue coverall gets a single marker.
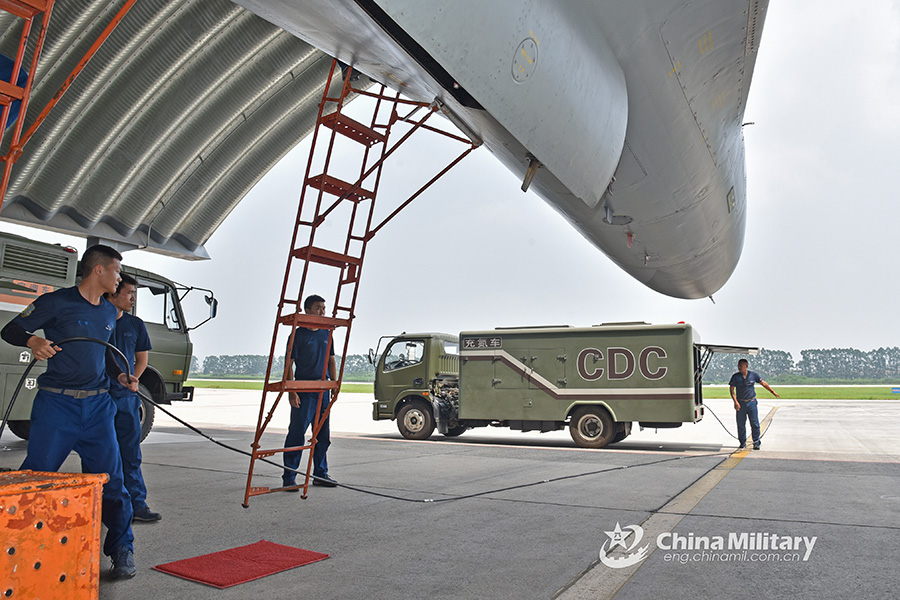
(62, 422)
(310, 354)
(130, 337)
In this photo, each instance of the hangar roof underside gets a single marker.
(184, 108)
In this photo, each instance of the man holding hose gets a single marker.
(73, 409)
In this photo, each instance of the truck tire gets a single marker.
(146, 411)
(21, 429)
(415, 421)
(623, 430)
(591, 427)
(455, 431)
(620, 435)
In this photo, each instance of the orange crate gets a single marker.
(51, 534)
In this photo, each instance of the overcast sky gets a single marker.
(819, 266)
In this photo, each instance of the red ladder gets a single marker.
(348, 208)
(11, 91)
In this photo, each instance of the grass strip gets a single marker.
(350, 388)
(813, 393)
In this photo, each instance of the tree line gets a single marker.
(252, 366)
(834, 365)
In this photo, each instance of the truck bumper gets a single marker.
(185, 395)
(380, 411)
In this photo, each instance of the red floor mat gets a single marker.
(240, 565)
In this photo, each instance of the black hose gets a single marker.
(762, 433)
(353, 488)
(12, 400)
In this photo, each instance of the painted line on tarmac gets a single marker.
(600, 582)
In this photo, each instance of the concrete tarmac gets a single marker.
(814, 514)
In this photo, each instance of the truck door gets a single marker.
(698, 381)
(157, 305)
(703, 354)
(402, 367)
(547, 363)
(550, 364)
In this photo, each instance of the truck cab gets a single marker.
(29, 268)
(159, 304)
(410, 375)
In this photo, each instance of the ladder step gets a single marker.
(269, 452)
(24, 8)
(324, 257)
(338, 187)
(313, 321)
(10, 92)
(352, 129)
(301, 386)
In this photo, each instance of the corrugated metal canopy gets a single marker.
(185, 107)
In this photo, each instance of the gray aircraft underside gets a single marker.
(632, 108)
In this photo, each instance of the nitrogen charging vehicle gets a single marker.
(598, 380)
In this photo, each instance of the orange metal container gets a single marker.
(50, 532)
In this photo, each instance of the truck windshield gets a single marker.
(403, 353)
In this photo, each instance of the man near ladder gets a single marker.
(312, 347)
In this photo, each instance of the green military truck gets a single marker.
(29, 268)
(597, 380)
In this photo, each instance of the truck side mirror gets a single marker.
(213, 306)
(371, 357)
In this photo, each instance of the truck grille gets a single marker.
(31, 262)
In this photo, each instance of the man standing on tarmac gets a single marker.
(310, 350)
(131, 338)
(744, 395)
(73, 409)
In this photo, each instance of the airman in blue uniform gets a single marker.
(73, 409)
(311, 349)
(132, 339)
(744, 396)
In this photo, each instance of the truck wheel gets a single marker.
(591, 427)
(22, 429)
(146, 411)
(415, 421)
(455, 431)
